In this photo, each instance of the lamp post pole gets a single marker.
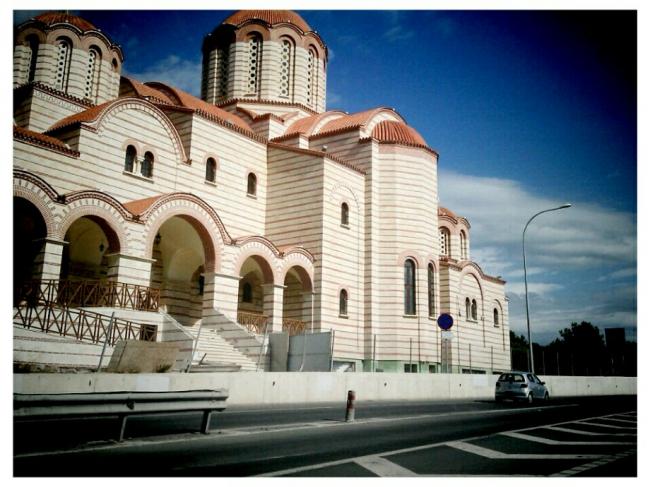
(531, 361)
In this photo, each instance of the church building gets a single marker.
(249, 211)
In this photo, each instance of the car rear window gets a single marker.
(511, 377)
(519, 378)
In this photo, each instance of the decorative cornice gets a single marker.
(45, 141)
(262, 101)
(51, 91)
(459, 266)
(310, 152)
(37, 181)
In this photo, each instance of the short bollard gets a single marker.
(349, 410)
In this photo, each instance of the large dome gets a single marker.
(271, 17)
(51, 18)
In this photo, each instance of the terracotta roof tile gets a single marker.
(138, 207)
(442, 211)
(43, 140)
(271, 17)
(144, 91)
(397, 132)
(51, 18)
(82, 117)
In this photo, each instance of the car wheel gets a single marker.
(546, 397)
(531, 399)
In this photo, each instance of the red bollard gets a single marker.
(349, 410)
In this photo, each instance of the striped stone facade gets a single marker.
(245, 204)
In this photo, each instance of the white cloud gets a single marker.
(178, 72)
(533, 288)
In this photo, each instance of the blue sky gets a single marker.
(527, 109)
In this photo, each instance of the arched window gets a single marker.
(251, 188)
(496, 317)
(463, 245)
(345, 214)
(286, 69)
(247, 293)
(129, 159)
(343, 303)
(474, 310)
(312, 77)
(211, 170)
(409, 287)
(223, 56)
(92, 74)
(146, 168)
(445, 242)
(32, 42)
(431, 281)
(64, 48)
(468, 309)
(254, 62)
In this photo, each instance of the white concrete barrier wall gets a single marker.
(311, 387)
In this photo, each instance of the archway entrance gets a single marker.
(296, 303)
(29, 230)
(179, 251)
(90, 240)
(254, 303)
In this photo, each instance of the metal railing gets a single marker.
(70, 293)
(253, 322)
(82, 324)
(293, 327)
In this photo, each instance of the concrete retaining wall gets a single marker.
(311, 387)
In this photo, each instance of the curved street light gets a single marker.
(531, 362)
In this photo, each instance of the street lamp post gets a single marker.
(531, 361)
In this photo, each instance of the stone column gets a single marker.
(129, 269)
(47, 263)
(220, 296)
(273, 303)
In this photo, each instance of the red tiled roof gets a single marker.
(397, 132)
(306, 124)
(144, 91)
(271, 17)
(43, 140)
(442, 211)
(138, 207)
(51, 18)
(351, 121)
(82, 117)
(189, 101)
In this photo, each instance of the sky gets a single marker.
(527, 109)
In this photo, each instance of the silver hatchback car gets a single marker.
(520, 386)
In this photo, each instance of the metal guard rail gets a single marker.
(88, 293)
(120, 404)
(82, 324)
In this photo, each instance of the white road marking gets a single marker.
(593, 423)
(587, 433)
(626, 421)
(383, 468)
(497, 455)
(589, 466)
(547, 441)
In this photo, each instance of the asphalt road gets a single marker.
(567, 437)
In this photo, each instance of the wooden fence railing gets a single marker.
(293, 327)
(82, 324)
(73, 294)
(253, 322)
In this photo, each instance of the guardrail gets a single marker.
(293, 327)
(82, 324)
(88, 293)
(253, 322)
(120, 404)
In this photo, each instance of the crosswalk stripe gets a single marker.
(583, 432)
(383, 468)
(548, 441)
(497, 455)
(593, 423)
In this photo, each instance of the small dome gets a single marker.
(271, 17)
(397, 132)
(51, 18)
(442, 211)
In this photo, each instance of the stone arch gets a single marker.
(196, 215)
(303, 267)
(265, 257)
(470, 271)
(123, 104)
(41, 195)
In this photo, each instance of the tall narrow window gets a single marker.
(254, 62)
(63, 63)
(463, 246)
(252, 184)
(431, 281)
(129, 159)
(222, 67)
(343, 303)
(211, 170)
(312, 77)
(409, 287)
(474, 310)
(445, 242)
(468, 309)
(32, 57)
(286, 69)
(92, 74)
(496, 317)
(147, 165)
(345, 214)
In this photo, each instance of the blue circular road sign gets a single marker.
(445, 321)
